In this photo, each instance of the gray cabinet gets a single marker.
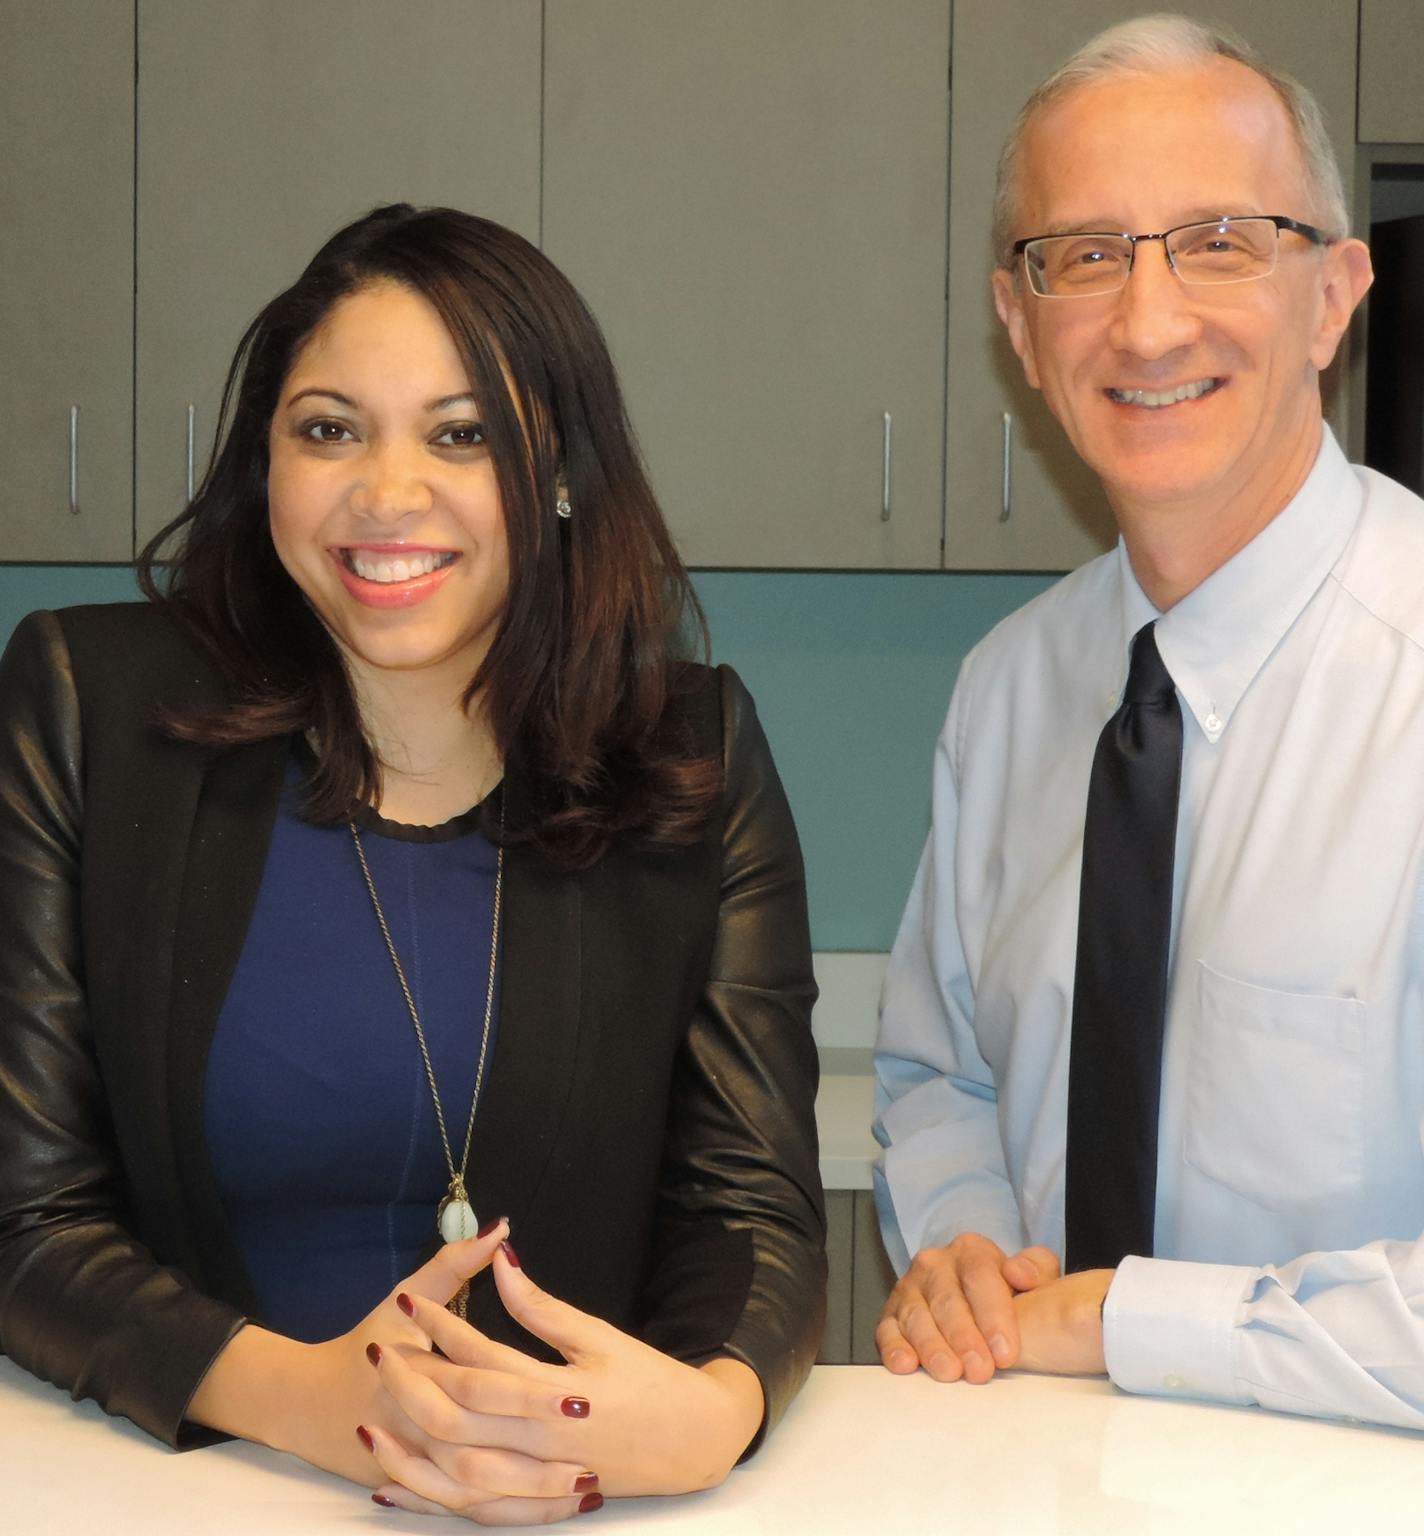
(262, 128)
(66, 255)
(752, 197)
(1056, 517)
(860, 1278)
(1391, 72)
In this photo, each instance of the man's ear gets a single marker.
(1347, 277)
(1009, 302)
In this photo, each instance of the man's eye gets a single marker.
(1086, 253)
(1214, 245)
(465, 434)
(1080, 261)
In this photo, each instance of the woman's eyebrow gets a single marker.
(329, 394)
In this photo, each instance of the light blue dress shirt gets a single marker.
(1290, 1194)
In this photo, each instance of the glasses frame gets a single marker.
(1307, 231)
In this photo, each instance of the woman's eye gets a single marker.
(327, 432)
(464, 434)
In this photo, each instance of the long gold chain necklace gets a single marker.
(455, 1216)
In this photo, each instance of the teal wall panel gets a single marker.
(851, 672)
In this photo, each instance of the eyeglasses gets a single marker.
(1221, 251)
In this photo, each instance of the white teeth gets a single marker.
(1155, 399)
(406, 568)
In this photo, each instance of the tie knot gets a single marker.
(1148, 680)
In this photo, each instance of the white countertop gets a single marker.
(861, 1451)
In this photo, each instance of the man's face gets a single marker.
(1139, 154)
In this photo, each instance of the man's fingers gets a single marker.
(990, 1302)
(955, 1317)
(908, 1323)
(895, 1353)
(953, 1310)
(1031, 1267)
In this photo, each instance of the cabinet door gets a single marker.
(66, 300)
(262, 128)
(1056, 515)
(752, 199)
(1391, 72)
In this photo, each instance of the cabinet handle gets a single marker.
(885, 470)
(192, 414)
(74, 460)
(1006, 504)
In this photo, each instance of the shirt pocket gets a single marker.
(1275, 1095)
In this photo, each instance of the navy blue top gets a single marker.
(317, 1108)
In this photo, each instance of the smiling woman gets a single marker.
(394, 862)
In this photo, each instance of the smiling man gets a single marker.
(1151, 1063)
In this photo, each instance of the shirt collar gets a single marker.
(1220, 635)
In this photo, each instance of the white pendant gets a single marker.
(457, 1219)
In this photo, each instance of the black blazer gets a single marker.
(648, 1124)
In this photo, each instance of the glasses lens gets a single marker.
(1071, 264)
(1229, 251)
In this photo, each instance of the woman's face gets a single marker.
(382, 495)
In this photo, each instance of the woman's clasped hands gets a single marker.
(485, 1431)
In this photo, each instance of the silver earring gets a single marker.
(563, 507)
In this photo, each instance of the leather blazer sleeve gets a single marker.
(741, 1266)
(83, 1303)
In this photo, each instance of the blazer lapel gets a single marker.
(227, 852)
(527, 1092)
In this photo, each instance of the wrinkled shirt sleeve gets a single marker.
(1330, 1334)
(936, 1109)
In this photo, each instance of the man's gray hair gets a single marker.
(1166, 42)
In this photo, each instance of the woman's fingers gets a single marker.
(576, 1335)
(490, 1487)
(442, 1275)
(467, 1346)
(424, 1394)
(490, 1392)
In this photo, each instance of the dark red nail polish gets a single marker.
(586, 1482)
(373, 1353)
(510, 1254)
(489, 1227)
(383, 1501)
(364, 1436)
(574, 1407)
(590, 1502)
(405, 1304)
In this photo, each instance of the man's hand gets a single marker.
(953, 1311)
(1061, 1325)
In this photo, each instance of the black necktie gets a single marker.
(1120, 985)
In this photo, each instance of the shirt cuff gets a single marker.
(1168, 1328)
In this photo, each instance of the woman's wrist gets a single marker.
(256, 1389)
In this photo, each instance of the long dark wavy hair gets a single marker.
(579, 682)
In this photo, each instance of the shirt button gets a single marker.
(1172, 1383)
(1212, 723)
